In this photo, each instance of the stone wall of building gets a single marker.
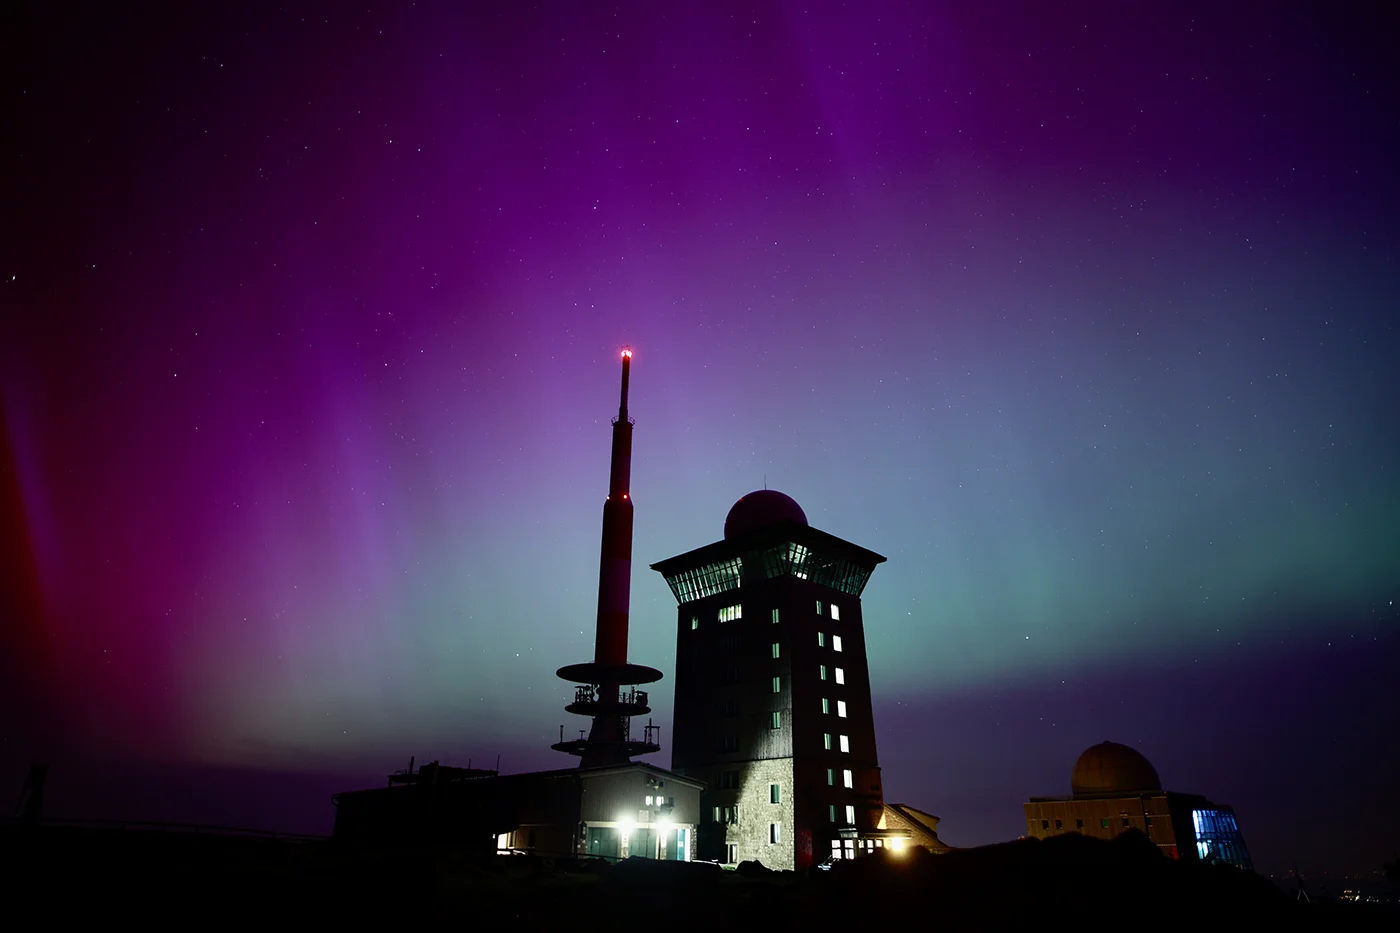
(757, 814)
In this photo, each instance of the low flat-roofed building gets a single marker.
(632, 809)
(1114, 789)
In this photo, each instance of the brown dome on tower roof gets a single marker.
(1110, 768)
(759, 509)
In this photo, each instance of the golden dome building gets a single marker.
(1114, 788)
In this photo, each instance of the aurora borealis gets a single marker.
(1083, 316)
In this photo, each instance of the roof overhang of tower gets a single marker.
(783, 549)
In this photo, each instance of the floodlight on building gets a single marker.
(666, 826)
(625, 827)
(896, 846)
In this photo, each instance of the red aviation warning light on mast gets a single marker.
(599, 692)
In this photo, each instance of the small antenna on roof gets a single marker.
(765, 480)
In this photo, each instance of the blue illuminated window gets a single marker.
(1218, 838)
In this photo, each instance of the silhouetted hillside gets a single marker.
(70, 873)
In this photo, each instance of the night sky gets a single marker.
(1084, 315)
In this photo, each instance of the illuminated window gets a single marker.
(775, 833)
(847, 780)
(714, 818)
(731, 613)
(826, 740)
(1218, 838)
(776, 650)
(850, 818)
(846, 744)
(694, 623)
(775, 793)
(731, 853)
(776, 722)
(823, 667)
(840, 675)
(826, 706)
(731, 815)
(830, 777)
(841, 708)
(775, 617)
(648, 799)
(835, 642)
(821, 639)
(831, 815)
(777, 685)
(835, 613)
(819, 607)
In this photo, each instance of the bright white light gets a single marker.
(625, 827)
(896, 844)
(666, 826)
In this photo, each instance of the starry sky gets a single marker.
(1083, 314)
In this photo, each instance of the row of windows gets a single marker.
(844, 742)
(840, 707)
(847, 778)
(835, 641)
(850, 814)
(1079, 824)
(735, 612)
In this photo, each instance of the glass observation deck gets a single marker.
(789, 559)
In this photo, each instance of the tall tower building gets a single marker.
(599, 692)
(772, 703)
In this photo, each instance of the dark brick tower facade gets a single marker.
(772, 703)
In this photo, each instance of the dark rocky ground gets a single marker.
(56, 874)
